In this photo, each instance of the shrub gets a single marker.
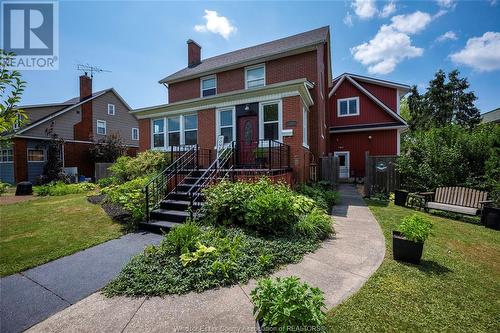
(107, 181)
(316, 224)
(3, 187)
(129, 195)
(182, 239)
(108, 149)
(144, 164)
(324, 196)
(60, 188)
(415, 228)
(286, 304)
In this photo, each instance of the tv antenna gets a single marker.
(92, 69)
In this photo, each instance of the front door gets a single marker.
(343, 157)
(248, 139)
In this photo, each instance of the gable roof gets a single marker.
(253, 53)
(71, 106)
(349, 77)
(492, 116)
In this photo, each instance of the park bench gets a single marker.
(461, 200)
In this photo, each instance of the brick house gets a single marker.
(78, 121)
(281, 91)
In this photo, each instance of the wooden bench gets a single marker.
(461, 200)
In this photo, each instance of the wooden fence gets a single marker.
(381, 175)
(330, 169)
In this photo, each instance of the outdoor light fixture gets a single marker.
(369, 137)
(247, 108)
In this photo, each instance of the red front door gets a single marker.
(248, 139)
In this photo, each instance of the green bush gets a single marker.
(60, 188)
(415, 228)
(182, 239)
(107, 181)
(324, 196)
(129, 195)
(287, 305)
(144, 164)
(3, 187)
(316, 224)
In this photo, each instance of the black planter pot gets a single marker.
(400, 197)
(405, 250)
(24, 188)
(490, 217)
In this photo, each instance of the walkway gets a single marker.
(339, 268)
(36, 294)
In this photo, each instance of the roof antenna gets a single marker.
(85, 68)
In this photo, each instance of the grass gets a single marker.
(35, 232)
(455, 289)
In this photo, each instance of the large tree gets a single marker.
(444, 102)
(11, 89)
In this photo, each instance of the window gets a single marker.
(174, 131)
(6, 155)
(226, 124)
(348, 107)
(101, 127)
(36, 155)
(111, 109)
(208, 86)
(305, 115)
(159, 133)
(135, 133)
(271, 121)
(191, 129)
(255, 76)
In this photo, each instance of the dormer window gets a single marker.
(208, 86)
(348, 107)
(255, 76)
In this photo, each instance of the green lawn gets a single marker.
(35, 232)
(456, 289)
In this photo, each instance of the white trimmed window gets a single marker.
(190, 129)
(348, 107)
(111, 109)
(305, 123)
(255, 76)
(135, 133)
(174, 131)
(226, 124)
(271, 121)
(6, 155)
(208, 86)
(36, 155)
(159, 133)
(101, 127)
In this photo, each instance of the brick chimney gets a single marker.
(85, 87)
(194, 53)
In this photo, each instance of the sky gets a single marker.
(141, 42)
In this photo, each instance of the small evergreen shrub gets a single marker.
(415, 228)
(288, 305)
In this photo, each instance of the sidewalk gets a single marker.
(340, 267)
(33, 295)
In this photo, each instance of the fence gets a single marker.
(330, 169)
(381, 175)
(101, 170)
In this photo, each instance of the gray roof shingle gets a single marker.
(278, 46)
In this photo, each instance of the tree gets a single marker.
(11, 89)
(443, 103)
(108, 149)
(53, 168)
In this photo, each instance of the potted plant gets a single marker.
(408, 240)
(284, 304)
(400, 197)
(260, 156)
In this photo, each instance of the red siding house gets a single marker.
(280, 92)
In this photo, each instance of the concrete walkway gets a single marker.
(339, 268)
(36, 294)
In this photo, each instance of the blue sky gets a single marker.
(141, 42)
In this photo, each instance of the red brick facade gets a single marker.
(292, 112)
(20, 159)
(144, 134)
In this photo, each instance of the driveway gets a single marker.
(33, 295)
(340, 267)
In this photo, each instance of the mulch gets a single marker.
(12, 199)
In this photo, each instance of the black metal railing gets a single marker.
(221, 168)
(184, 160)
(261, 154)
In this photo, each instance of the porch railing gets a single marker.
(261, 154)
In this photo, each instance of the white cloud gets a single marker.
(216, 24)
(364, 8)
(449, 35)
(387, 49)
(446, 3)
(411, 23)
(388, 9)
(493, 2)
(348, 19)
(481, 53)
